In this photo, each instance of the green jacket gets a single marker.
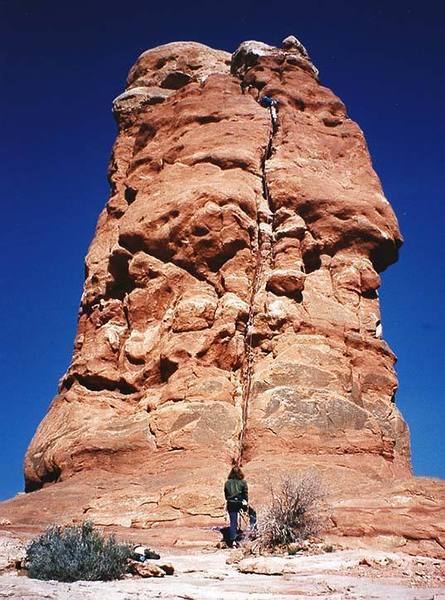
(236, 487)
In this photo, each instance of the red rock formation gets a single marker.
(230, 308)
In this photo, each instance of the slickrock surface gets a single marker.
(352, 575)
(231, 311)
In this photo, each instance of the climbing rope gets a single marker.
(247, 368)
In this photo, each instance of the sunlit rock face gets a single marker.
(230, 310)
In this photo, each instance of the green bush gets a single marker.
(76, 552)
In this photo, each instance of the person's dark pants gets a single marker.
(233, 527)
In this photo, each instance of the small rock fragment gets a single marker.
(262, 566)
(168, 568)
(146, 569)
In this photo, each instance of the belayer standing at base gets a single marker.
(237, 497)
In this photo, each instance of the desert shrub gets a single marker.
(76, 552)
(294, 512)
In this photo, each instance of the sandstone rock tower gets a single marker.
(230, 308)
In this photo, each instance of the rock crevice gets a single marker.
(263, 264)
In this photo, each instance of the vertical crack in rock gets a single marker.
(264, 261)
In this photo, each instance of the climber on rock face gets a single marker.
(267, 101)
(272, 105)
(237, 497)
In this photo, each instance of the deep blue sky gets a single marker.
(62, 63)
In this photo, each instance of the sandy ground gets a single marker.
(205, 575)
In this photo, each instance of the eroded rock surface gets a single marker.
(353, 574)
(230, 308)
